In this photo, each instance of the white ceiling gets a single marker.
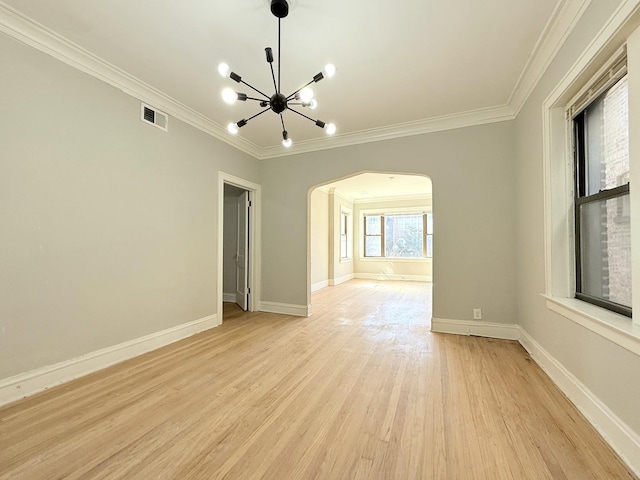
(398, 61)
(369, 186)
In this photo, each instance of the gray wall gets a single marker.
(609, 371)
(472, 170)
(107, 225)
(319, 237)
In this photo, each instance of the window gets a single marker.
(408, 235)
(345, 235)
(602, 216)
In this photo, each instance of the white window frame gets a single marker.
(419, 210)
(346, 222)
(559, 208)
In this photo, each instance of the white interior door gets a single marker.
(242, 252)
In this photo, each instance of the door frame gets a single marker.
(254, 239)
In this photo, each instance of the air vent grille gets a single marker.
(154, 117)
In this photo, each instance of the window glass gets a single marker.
(605, 251)
(373, 246)
(403, 236)
(607, 140)
(373, 225)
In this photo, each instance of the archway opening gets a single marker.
(371, 227)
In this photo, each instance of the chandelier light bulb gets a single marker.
(306, 94)
(331, 128)
(229, 96)
(233, 128)
(223, 69)
(313, 104)
(287, 142)
(329, 70)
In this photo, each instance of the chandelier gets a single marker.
(278, 103)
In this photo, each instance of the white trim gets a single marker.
(336, 193)
(608, 31)
(29, 383)
(504, 331)
(394, 277)
(624, 441)
(286, 309)
(430, 125)
(612, 326)
(229, 297)
(557, 30)
(255, 242)
(319, 285)
(396, 259)
(337, 281)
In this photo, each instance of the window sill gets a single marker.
(612, 326)
(346, 260)
(392, 259)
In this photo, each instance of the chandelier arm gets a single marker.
(255, 89)
(257, 114)
(278, 87)
(282, 121)
(256, 99)
(273, 76)
(298, 91)
(302, 115)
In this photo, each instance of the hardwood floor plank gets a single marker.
(362, 389)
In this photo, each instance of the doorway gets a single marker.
(235, 248)
(238, 243)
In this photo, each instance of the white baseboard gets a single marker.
(503, 331)
(286, 309)
(229, 297)
(28, 383)
(624, 441)
(337, 281)
(394, 276)
(317, 286)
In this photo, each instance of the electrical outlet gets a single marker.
(477, 314)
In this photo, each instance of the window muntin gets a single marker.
(373, 236)
(407, 235)
(602, 220)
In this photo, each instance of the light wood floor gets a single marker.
(361, 390)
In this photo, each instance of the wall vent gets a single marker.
(154, 117)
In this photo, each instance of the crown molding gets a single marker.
(419, 127)
(336, 193)
(558, 28)
(31, 33)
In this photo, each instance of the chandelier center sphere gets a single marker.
(278, 103)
